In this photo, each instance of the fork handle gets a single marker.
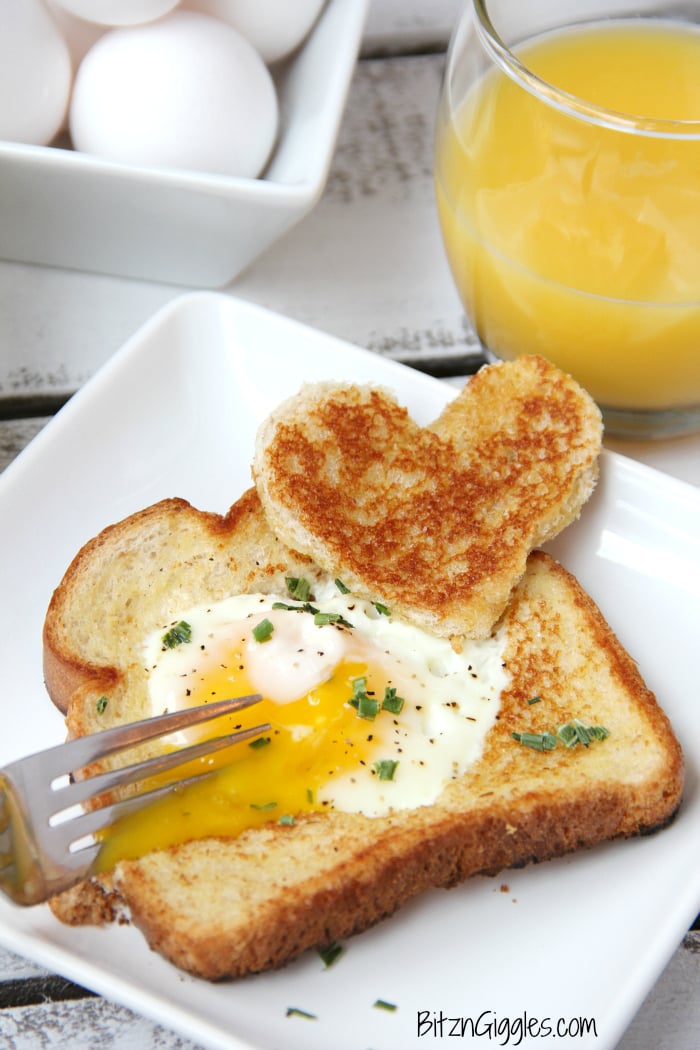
(22, 877)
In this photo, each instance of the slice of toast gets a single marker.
(436, 523)
(225, 907)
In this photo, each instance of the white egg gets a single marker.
(117, 12)
(274, 27)
(184, 92)
(35, 73)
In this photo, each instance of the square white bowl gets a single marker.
(67, 209)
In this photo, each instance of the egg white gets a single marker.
(451, 699)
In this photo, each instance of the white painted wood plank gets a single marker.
(368, 263)
(83, 1024)
(58, 327)
(15, 968)
(14, 435)
(409, 24)
(670, 1016)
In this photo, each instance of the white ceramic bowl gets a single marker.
(66, 209)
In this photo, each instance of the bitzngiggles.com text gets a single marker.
(502, 1031)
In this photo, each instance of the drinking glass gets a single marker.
(567, 177)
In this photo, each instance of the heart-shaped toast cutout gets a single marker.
(436, 523)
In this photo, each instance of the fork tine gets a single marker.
(76, 754)
(92, 821)
(70, 835)
(100, 744)
(93, 787)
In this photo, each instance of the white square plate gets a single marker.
(174, 413)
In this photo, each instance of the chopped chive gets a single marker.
(359, 689)
(287, 820)
(306, 607)
(576, 732)
(329, 954)
(321, 619)
(341, 587)
(263, 806)
(262, 632)
(383, 610)
(309, 795)
(537, 741)
(260, 741)
(181, 632)
(298, 587)
(581, 732)
(367, 707)
(391, 701)
(382, 1004)
(102, 705)
(359, 686)
(534, 700)
(568, 735)
(386, 767)
(294, 1011)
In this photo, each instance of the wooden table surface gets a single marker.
(367, 266)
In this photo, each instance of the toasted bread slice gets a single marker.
(436, 523)
(225, 907)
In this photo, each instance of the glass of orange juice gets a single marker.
(567, 174)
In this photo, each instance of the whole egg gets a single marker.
(185, 91)
(274, 27)
(117, 12)
(35, 73)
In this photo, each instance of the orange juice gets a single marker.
(577, 240)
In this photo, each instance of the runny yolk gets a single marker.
(274, 778)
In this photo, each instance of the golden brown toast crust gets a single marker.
(204, 905)
(436, 523)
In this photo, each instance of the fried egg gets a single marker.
(368, 714)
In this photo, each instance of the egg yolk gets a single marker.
(274, 777)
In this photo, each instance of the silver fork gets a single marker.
(47, 836)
